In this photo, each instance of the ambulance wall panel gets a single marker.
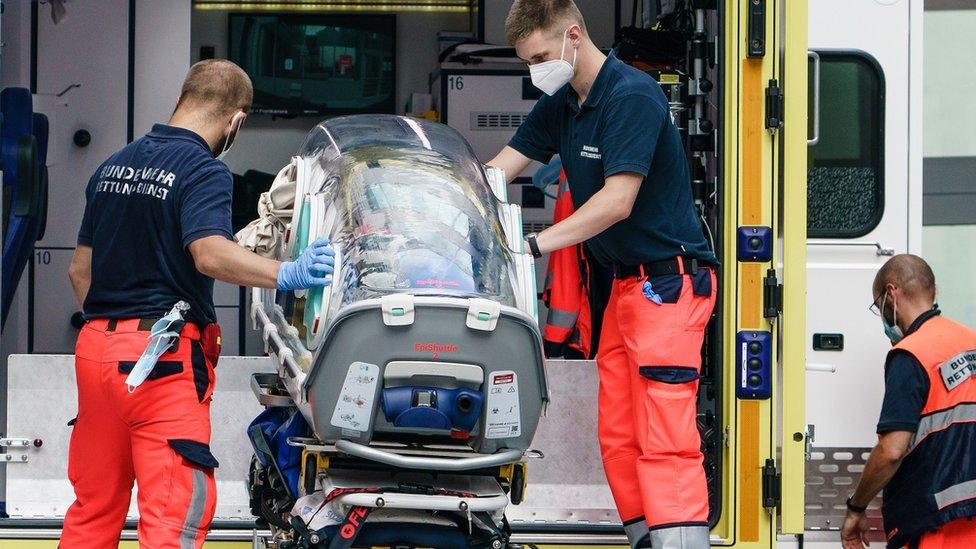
(228, 318)
(54, 302)
(39, 488)
(15, 34)
(87, 55)
(162, 57)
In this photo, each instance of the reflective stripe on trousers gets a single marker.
(195, 514)
(680, 537)
(637, 532)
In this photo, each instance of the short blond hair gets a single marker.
(529, 16)
(217, 86)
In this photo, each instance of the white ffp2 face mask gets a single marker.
(549, 76)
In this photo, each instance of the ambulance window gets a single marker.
(845, 175)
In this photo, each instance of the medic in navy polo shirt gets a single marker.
(628, 178)
(156, 232)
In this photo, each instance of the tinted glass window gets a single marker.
(845, 196)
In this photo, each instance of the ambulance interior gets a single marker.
(800, 216)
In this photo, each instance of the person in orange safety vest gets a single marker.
(925, 459)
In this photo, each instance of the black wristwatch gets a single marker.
(855, 508)
(533, 245)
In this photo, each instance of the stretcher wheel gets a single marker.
(310, 471)
(517, 492)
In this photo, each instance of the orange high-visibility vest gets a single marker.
(566, 291)
(936, 482)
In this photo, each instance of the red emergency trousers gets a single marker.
(157, 436)
(648, 432)
(565, 293)
(954, 535)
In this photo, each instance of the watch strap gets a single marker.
(533, 245)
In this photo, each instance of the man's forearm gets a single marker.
(79, 273)
(877, 473)
(600, 212)
(80, 286)
(224, 260)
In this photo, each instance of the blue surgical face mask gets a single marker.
(894, 333)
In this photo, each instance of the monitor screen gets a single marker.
(317, 64)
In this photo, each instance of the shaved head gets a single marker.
(910, 273)
(216, 88)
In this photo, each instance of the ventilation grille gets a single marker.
(497, 120)
(536, 227)
(831, 475)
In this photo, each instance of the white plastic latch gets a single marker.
(397, 309)
(483, 314)
(269, 328)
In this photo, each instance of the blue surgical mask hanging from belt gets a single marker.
(164, 332)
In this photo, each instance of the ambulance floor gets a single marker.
(52, 544)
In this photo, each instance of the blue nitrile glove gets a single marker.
(650, 294)
(312, 268)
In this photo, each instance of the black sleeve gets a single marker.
(205, 204)
(637, 123)
(537, 137)
(906, 391)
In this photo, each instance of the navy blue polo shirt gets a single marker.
(623, 126)
(145, 205)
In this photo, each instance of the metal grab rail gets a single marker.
(816, 98)
(424, 502)
(426, 463)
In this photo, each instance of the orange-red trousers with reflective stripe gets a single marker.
(647, 423)
(157, 436)
(954, 535)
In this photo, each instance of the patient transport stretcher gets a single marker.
(418, 376)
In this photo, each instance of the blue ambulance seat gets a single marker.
(23, 153)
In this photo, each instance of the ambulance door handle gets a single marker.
(880, 249)
(816, 98)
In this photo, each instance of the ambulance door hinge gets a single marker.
(771, 488)
(811, 435)
(772, 295)
(17, 450)
(774, 106)
(757, 28)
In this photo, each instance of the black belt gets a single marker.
(145, 324)
(688, 265)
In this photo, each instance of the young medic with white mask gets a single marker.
(629, 181)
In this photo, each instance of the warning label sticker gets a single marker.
(354, 410)
(504, 418)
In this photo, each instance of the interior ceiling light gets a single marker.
(432, 6)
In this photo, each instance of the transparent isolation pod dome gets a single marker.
(409, 209)
(430, 326)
